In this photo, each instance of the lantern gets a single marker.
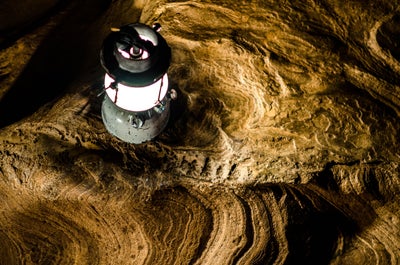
(136, 105)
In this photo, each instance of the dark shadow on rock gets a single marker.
(175, 130)
(56, 63)
(315, 225)
(18, 18)
(313, 233)
(388, 36)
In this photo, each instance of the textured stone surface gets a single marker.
(283, 147)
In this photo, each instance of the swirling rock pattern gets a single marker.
(283, 147)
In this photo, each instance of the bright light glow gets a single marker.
(137, 98)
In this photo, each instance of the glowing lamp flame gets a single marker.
(137, 98)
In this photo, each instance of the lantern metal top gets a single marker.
(135, 55)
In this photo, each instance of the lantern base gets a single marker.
(135, 127)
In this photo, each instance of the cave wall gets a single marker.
(282, 147)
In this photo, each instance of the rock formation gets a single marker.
(283, 146)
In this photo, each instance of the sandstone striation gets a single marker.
(283, 146)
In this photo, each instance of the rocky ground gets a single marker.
(283, 146)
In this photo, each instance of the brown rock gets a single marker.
(283, 147)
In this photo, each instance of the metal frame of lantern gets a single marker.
(136, 104)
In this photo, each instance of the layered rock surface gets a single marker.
(283, 146)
